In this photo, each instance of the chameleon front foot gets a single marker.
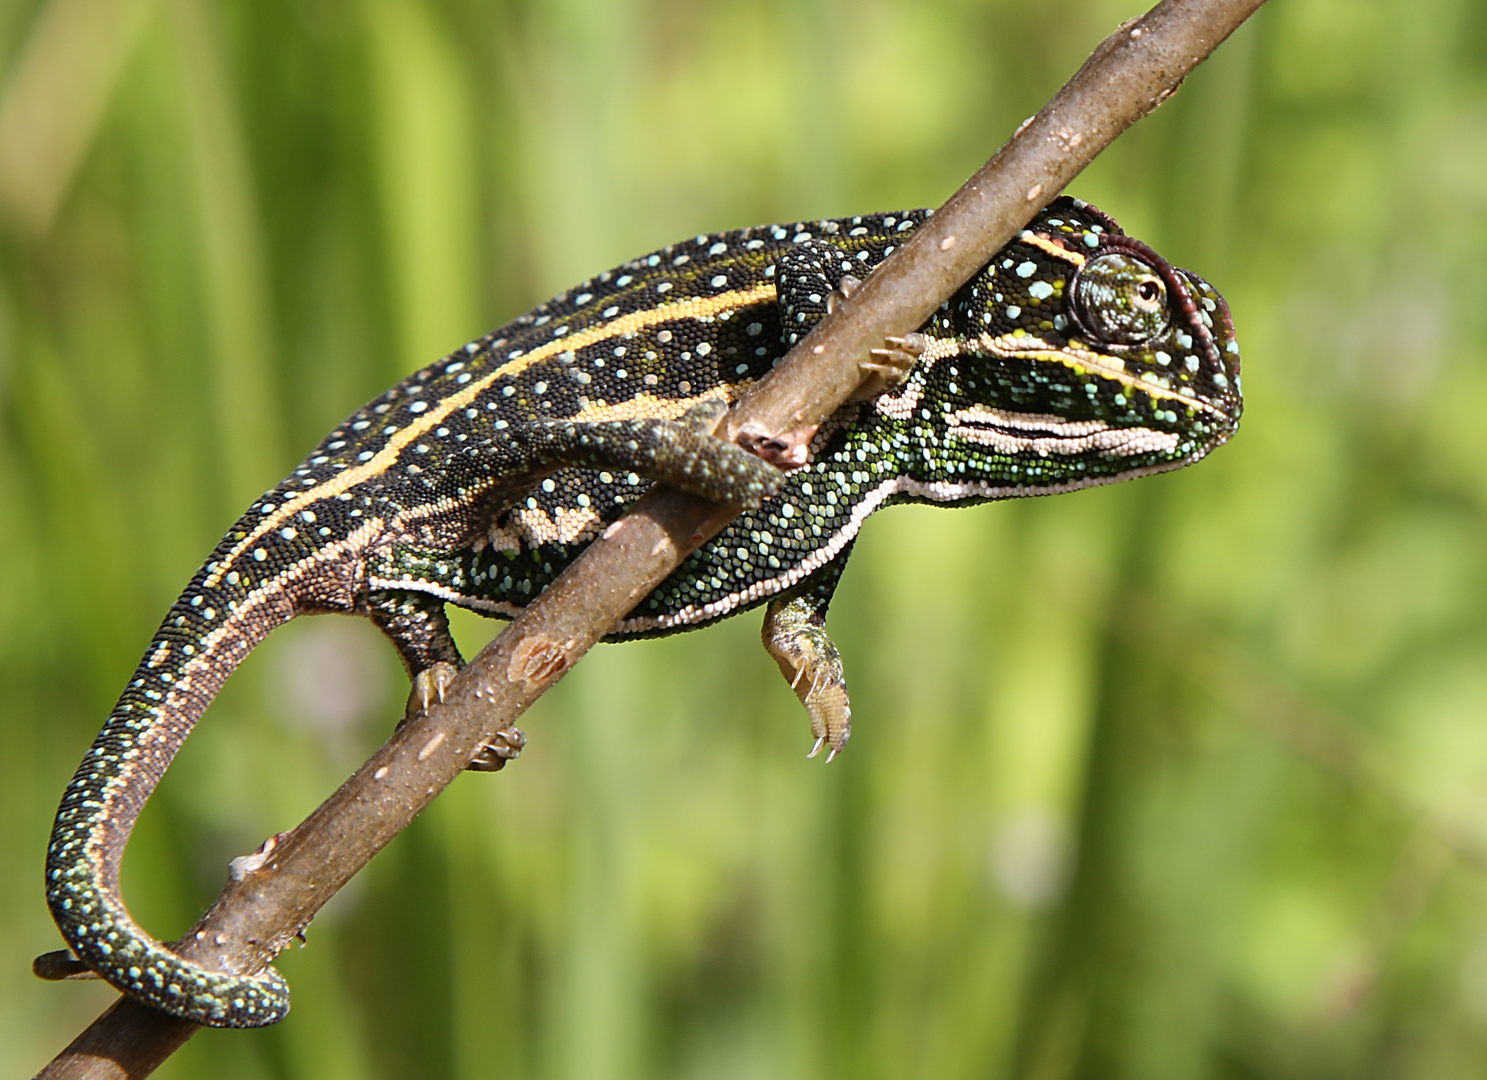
(795, 635)
(890, 366)
(429, 686)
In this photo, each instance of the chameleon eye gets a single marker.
(1120, 300)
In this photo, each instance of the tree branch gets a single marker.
(272, 896)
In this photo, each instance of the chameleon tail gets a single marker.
(208, 632)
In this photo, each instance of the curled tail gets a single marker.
(214, 624)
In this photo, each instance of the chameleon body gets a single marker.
(1076, 357)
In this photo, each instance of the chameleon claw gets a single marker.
(843, 291)
(820, 742)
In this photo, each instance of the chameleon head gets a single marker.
(1078, 356)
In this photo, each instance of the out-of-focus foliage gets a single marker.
(1181, 779)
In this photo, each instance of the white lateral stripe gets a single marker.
(1102, 439)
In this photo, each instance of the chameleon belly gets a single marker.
(1076, 357)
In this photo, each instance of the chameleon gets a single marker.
(1077, 356)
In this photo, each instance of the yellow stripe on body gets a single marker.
(694, 308)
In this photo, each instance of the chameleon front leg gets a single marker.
(794, 633)
(814, 277)
(419, 628)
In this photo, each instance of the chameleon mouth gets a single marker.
(1045, 435)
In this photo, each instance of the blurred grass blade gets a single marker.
(55, 98)
(232, 256)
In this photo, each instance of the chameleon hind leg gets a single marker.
(794, 633)
(418, 626)
(683, 453)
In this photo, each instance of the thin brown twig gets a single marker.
(260, 911)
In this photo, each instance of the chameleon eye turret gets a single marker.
(1118, 299)
(1077, 356)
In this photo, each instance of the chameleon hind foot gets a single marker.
(795, 635)
(786, 450)
(429, 686)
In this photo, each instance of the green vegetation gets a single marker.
(1180, 779)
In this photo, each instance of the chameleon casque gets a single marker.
(1076, 357)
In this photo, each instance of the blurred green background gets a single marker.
(1185, 778)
